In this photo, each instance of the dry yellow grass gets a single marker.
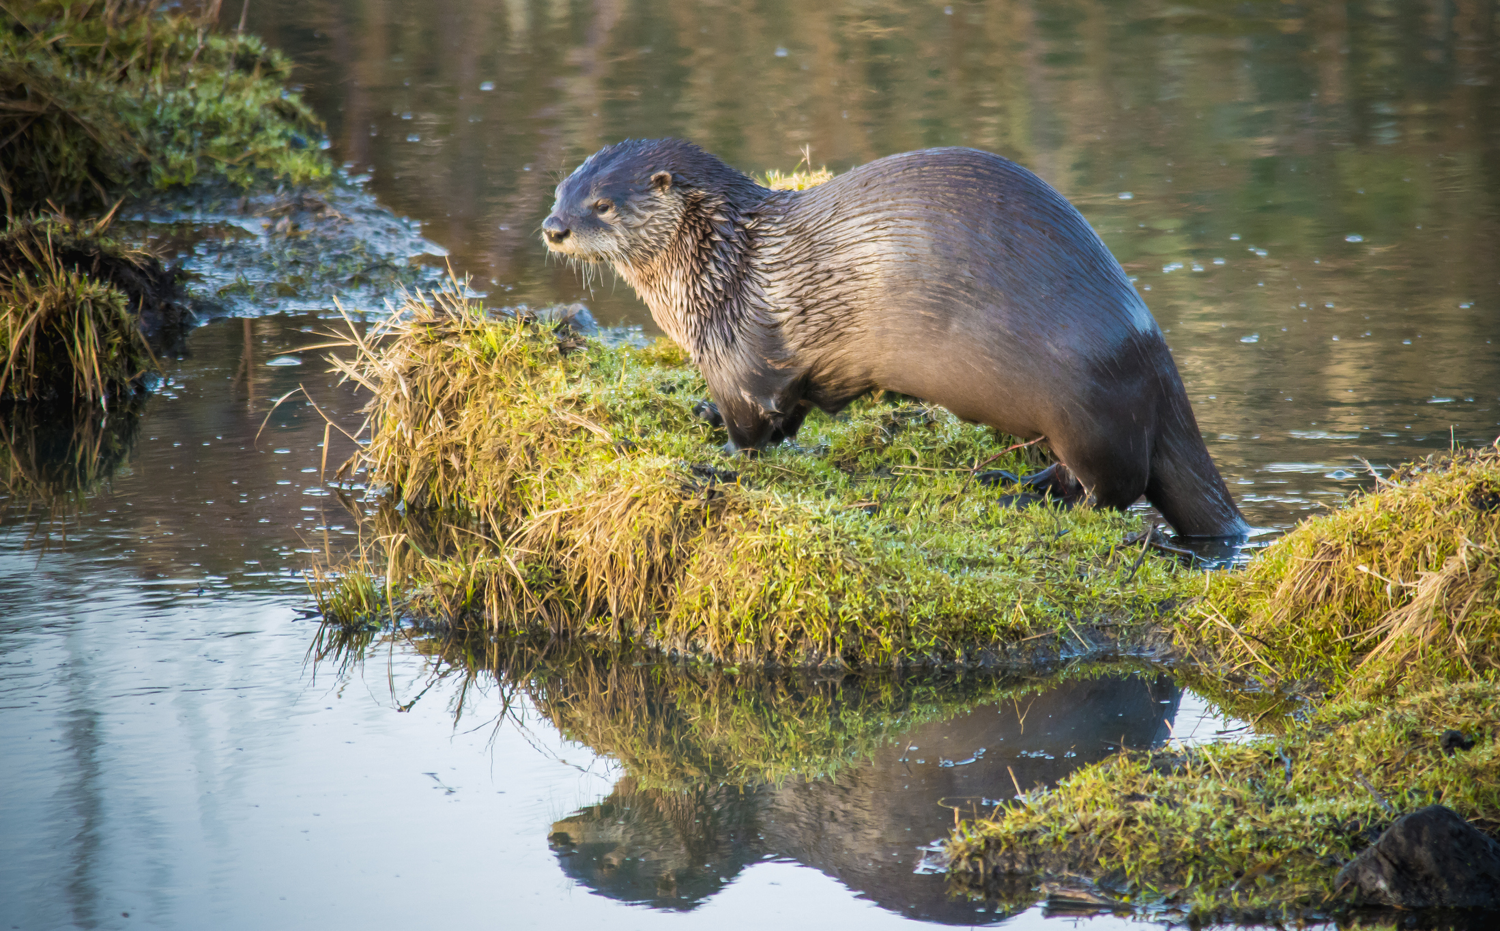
(1399, 588)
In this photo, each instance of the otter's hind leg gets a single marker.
(1111, 471)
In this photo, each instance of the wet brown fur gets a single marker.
(952, 275)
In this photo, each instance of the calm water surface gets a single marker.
(1310, 194)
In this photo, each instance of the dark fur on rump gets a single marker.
(952, 275)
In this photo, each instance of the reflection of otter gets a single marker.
(951, 275)
(864, 826)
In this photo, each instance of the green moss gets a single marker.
(1386, 611)
(98, 99)
(1247, 830)
(601, 507)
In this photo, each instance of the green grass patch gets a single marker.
(594, 504)
(1246, 830)
(1366, 633)
(99, 99)
(1400, 588)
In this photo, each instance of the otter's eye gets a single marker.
(603, 206)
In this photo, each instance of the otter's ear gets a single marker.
(661, 180)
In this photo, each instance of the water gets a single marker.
(169, 758)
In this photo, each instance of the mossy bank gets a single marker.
(553, 483)
(1378, 624)
(98, 100)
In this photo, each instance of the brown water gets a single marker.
(1310, 194)
(1307, 195)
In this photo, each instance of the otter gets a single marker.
(952, 275)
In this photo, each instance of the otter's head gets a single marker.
(627, 203)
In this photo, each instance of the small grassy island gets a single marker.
(1380, 625)
(555, 485)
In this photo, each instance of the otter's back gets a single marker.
(953, 241)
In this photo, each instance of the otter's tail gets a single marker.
(1184, 483)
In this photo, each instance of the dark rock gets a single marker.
(1430, 858)
(1453, 741)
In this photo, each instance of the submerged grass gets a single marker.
(98, 98)
(596, 504)
(1380, 621)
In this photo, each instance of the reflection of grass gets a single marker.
(597, 506)
(99, 96)
(53, 458)
(1388, 607)
(680, 726)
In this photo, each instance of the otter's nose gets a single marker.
(555, 230)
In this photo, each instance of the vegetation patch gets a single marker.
(98, 99)
(592, 502)
(75, 311)
(1398, 589)
(1381, 619)
(1245, 830)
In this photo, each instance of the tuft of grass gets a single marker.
(797, 180)
(593, 503)
(72, 307)
(97, 99)
(1254, 830)
(1398, 589)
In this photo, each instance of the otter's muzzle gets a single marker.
(555, 230)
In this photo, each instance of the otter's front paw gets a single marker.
(708, 411)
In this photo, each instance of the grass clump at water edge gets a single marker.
(1399, 588)
(75, 310)
(596, 505)
(1382, 614)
